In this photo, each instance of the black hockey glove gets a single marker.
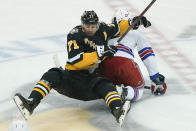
(114, 21)
(159, 86)
(143, 21)
(106, 50)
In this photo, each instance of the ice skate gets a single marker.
(26, 106)
(122, 91)
(119, 89)
(121, 112)
(124, 94)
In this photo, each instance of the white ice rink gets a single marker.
(31, 32)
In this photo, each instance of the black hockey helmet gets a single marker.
(89, 17)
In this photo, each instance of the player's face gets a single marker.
(90, 29)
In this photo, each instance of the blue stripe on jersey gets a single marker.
(124, 48)
(147, 55)
(144, 49)
(146, 52)
(126, 51)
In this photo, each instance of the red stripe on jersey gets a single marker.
(146, 52)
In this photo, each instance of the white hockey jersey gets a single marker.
(136, 39)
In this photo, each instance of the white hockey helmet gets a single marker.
(19, 125)
(122, 14)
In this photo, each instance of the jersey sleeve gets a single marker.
(147, 55)
(112, 30)
(78, 57)
(123, 26)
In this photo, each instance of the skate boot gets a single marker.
(121, 112)
(124, 94)
(122, 91)
(119, 89)
(26, 106)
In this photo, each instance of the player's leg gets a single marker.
(49, 80)
(126, 72)
(108, 92)
(109, 69)
(133, 82)
(131, 93)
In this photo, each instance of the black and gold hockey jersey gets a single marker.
(81, 48)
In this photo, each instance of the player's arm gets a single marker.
(148, 57)
(146, 54)
(124, 24)
(110, 30)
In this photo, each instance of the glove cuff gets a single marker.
(159, 80)
(153, 77)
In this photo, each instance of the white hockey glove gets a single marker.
(106, 50)
(159, 86)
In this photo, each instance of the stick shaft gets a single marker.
(139, 17)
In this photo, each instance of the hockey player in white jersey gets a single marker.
(122, 69)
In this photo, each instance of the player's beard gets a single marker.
(90, 33)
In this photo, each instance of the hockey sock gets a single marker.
(108, 92)
(40, 90)
(133, 93)
(113, 100)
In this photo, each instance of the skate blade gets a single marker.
(25, 113)
(126, 108)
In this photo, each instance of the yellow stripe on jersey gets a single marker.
(71, 67)
(124, 25)
(105, 34)
(40, 91)
(109, 94)
(113, 99)
(89, 60)
(44, 84)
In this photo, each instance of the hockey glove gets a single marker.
(115, 21)
(106, 50)
(143, 21)
(159, 86)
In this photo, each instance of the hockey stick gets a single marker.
(146, 87)
(136, 21)
(56, 61)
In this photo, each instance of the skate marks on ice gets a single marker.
(58, 119)
(173, 112)
(57, 112)
(93, 115)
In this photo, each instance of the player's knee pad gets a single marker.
(103, 87)
(54, 76)
(134, 94)
(98, 81)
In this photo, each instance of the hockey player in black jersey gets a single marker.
(86, 48)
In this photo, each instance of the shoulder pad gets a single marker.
(103, 24)
(73, 31)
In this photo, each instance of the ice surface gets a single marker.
(31, 32)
